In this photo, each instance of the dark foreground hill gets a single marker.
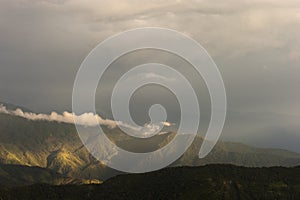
(206, 182)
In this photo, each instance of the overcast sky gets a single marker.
(255, 44)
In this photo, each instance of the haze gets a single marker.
(255, 44)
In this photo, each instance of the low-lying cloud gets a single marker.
(85, 119)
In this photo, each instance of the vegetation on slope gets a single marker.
(207, 182)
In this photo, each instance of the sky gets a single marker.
(255, 44)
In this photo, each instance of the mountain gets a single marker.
(50, 145)
(57, 147)
(20, 175)
(239, 154)
(206, 182)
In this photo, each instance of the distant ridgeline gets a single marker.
(14, 107)
(57, 147)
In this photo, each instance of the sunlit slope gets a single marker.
(56, 146)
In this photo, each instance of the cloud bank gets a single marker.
(85, 119)
(255, 43)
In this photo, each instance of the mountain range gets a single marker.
(53, 146)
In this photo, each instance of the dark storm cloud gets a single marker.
(255, 44)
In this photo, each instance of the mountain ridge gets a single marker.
(56, 146)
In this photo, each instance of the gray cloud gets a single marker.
(87, 119)
(255, 44)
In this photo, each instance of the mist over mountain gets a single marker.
(56, 146)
